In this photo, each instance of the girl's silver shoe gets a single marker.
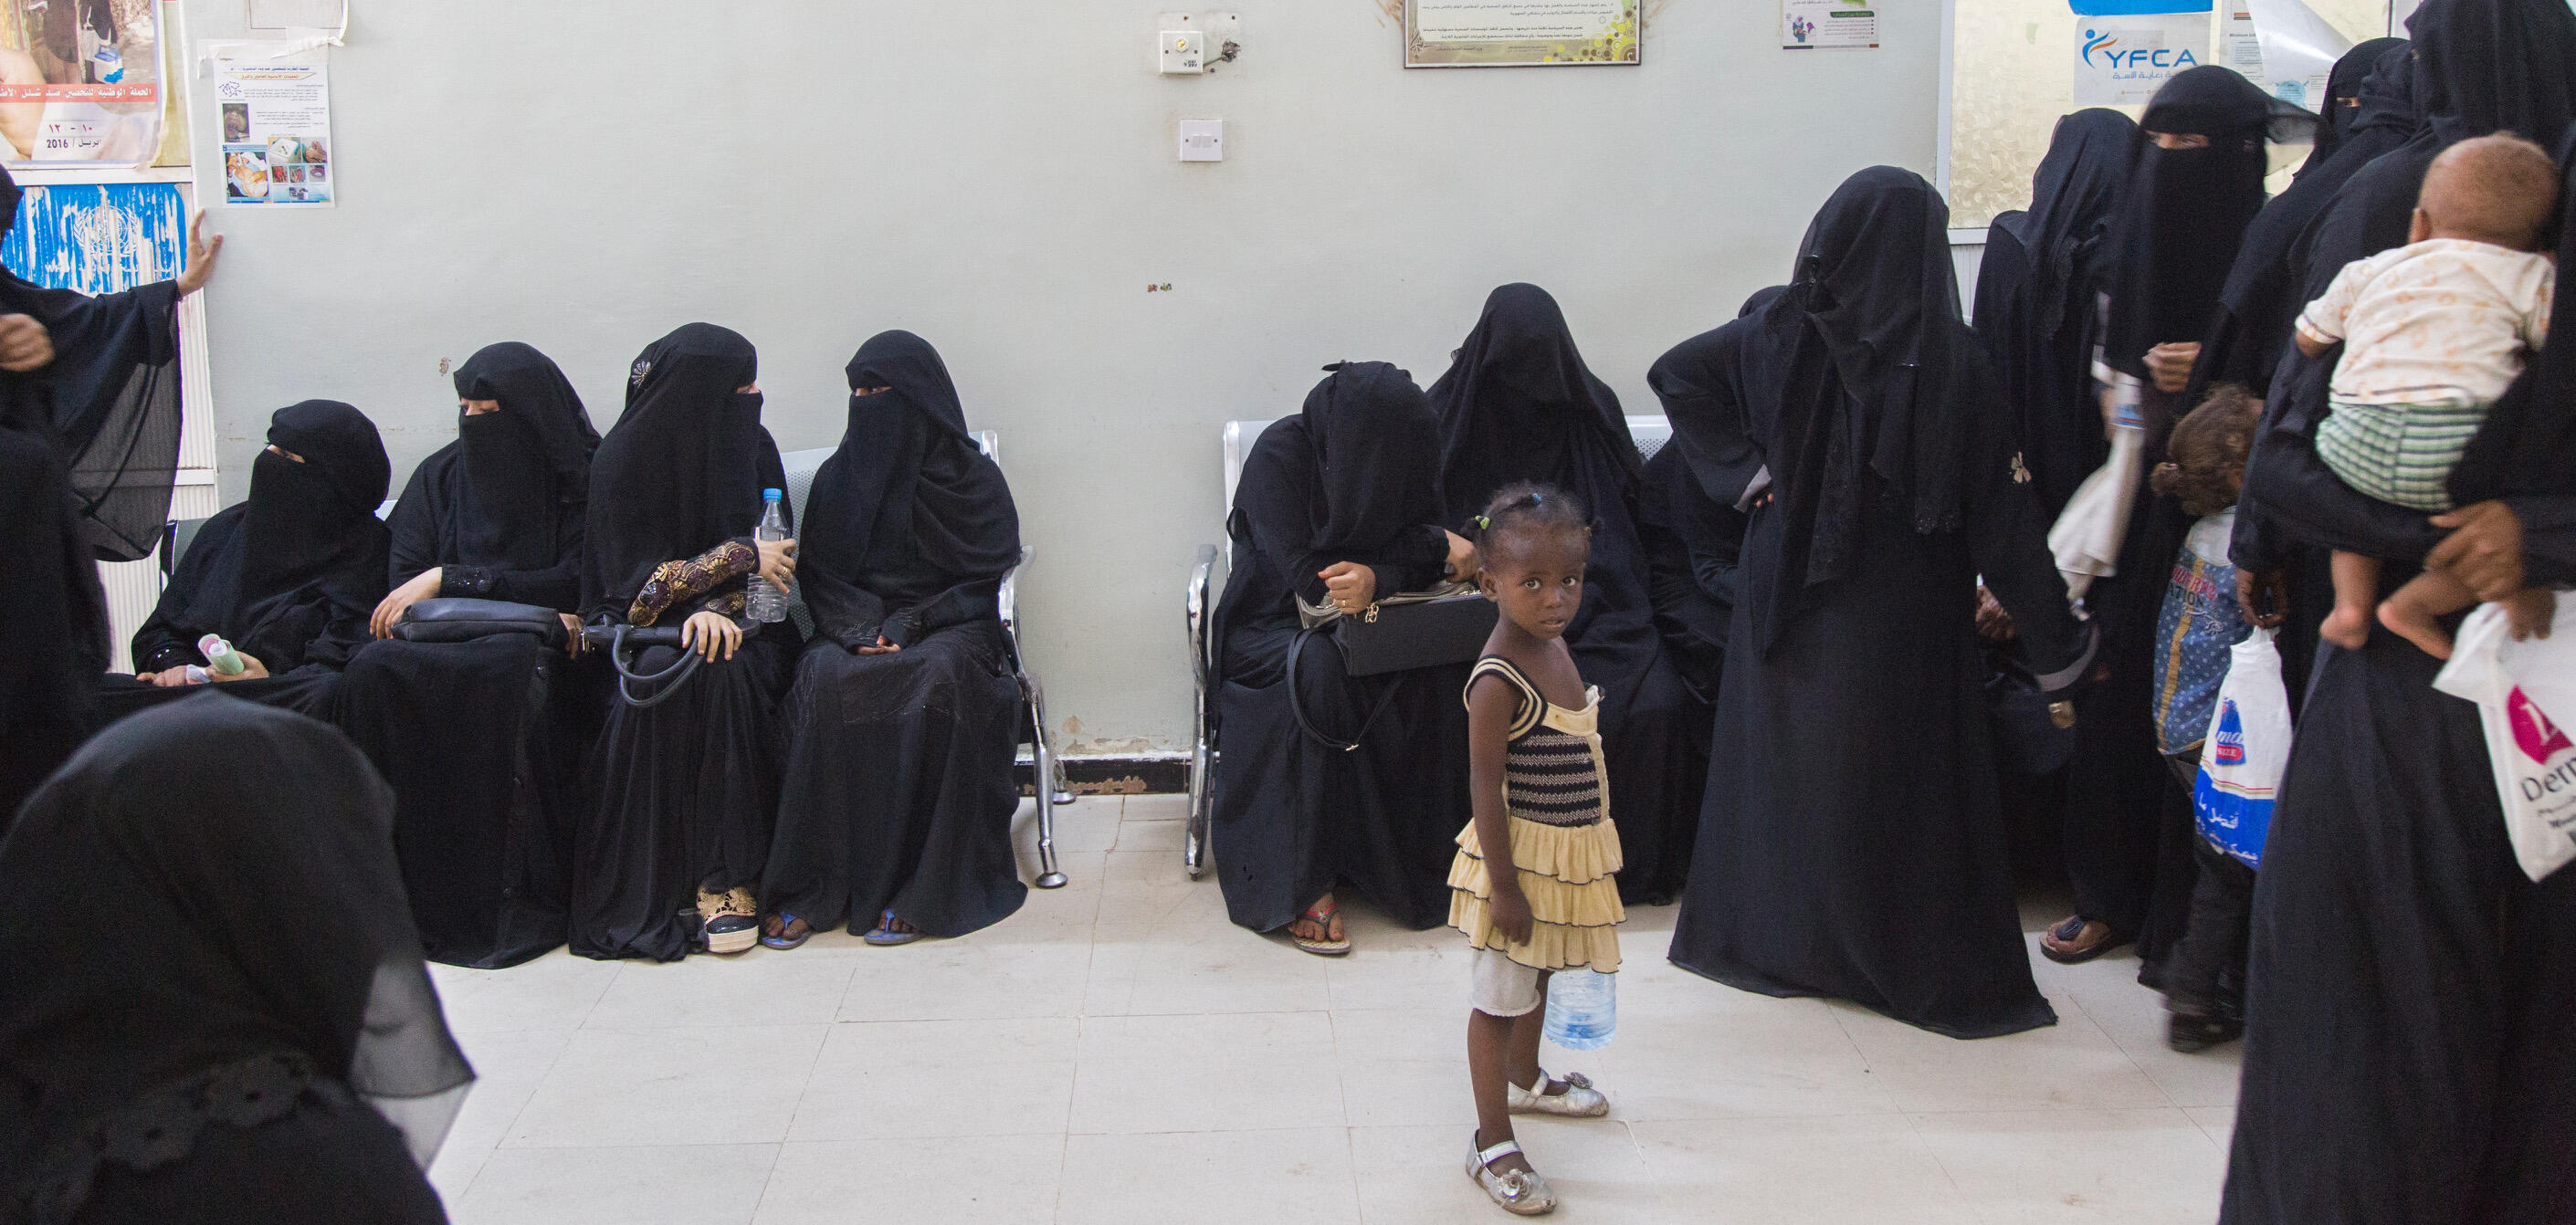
(1520, 1192)
(1579, 1101)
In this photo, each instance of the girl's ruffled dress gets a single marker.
(1557, 797)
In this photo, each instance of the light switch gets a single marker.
(1182, 52)
(1202, 140)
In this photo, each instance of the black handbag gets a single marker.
(620, 641)
(462, 619)
(1419, 629)
(2034, 731)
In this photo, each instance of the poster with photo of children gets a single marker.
(276, 116)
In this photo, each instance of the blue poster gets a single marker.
(98, 237)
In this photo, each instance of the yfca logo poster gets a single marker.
(2120, 61)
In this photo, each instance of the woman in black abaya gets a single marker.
(287, 577)
(2195, 183)
(54, 615)
(2037, 314)
(1518, 404)
(1349, 485)
(254, 1038)
(482, 740)
(687, 789)
(904, 717)
(1850, 844)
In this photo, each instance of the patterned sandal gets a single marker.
(1325, 946)
(1520, 1192)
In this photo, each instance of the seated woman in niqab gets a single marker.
(905, 713)
(687, 788)
(482, 740)
(1850, 844)
(1338, 505)
(254, 1038)
(1518, 404)
(287, 577)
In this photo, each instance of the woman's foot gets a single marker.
(1319, 930)
(891, 931)
(1508, 1180)
(2191, 1028)
(2412, 622)
(728, 921)
(1571, 1097)
(783, 931)
(2349, 628)
(2079, 939)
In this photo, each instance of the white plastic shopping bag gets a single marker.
(2086, 537)
(2526, 696)
(2247, 748)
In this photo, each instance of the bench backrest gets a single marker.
(1651, 434)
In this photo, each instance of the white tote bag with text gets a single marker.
(2526, 696)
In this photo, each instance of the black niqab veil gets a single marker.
(176, 821)
(1882, 373)
(2344, 96)
(680, 472)
(909, 508)
(526, 465)
(1516, 397)
(1377, 446)
(309, 531)
(2183, 212)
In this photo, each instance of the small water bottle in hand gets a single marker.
(220, 656)
(1582, 1009)
(766, 602)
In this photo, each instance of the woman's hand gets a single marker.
(1993, 623)
(573, 642)
(2483, 551)
(2263, 598)
(252, 670)
(24, 344)
(704, 631)
(202, 252)
(882, 647)
(2170, 365)
(1349, 585)
(1509, 911)
(1463, 563)
(167, 678)
(390, 609)
(778, 563)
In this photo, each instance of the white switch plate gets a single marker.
(1181, 52)
(1202, 140)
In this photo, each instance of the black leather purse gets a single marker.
(462, 619)
(620, 642)
(1425, 629)
(2034, 731)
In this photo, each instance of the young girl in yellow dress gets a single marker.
(1534, 885)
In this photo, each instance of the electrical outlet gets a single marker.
(1182, 52)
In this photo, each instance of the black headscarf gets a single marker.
(1518, 404)
(2497, 66)
(2263, 295)
(910, 524)
(2183, 212)
(108, 403)
(2527, 447)
(681, 470)
(1701, 384)
(524, 467)
(2344, 90)
(1881, 378)
(310, 546)
(262, 946)
(1377, 448)
(2038, 328)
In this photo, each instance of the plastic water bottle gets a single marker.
(767, 602)
(220, 655)
(1582, 1009)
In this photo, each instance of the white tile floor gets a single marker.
(1118, 1052)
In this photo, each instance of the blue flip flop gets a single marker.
(883, 936)
(783, 943)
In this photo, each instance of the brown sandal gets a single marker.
(1326, 945)
(2078, 939)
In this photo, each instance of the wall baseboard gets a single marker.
(1088, 775)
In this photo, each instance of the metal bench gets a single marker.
(1207, 579)
(1050, 789)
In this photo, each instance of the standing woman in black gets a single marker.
(1348, 487)
(1518, 404)
(481, 740)
(254, 1038)
(287, 577)
(1850, 844)
(2195, 183)
(905, 714)
(687, 788)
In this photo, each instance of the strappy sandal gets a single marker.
(1579, 1101)
(783, 941)
(1324, 946)
(1520, 1192)
(884, 936)
(2078, 940)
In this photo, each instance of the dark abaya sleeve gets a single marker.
(2007, 535)
(1716, 536)
(414, 525)
(2548, 539)
(1277, 494)
(557, 586)
(166, 640)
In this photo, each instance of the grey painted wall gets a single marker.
(585, 175)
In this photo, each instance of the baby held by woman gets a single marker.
(2433, 334)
